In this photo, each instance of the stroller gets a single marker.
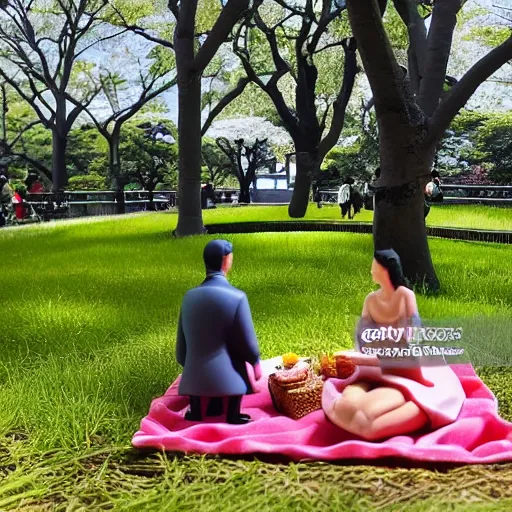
(23, 211)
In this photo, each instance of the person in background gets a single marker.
(344, 196)
(317, 197)
(20, 209)
(369, 192)
(6, 195)
(33, 184)
(433, 192)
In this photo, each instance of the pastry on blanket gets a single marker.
(292, 376)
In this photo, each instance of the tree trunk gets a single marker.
(59, 170)
(245, 197)
(399, 224)
(116, 179)
(307, 165)
(190, 218)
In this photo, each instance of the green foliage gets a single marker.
(37, 144)
(87, 152)
(494, 142)
(131, 10)
(216, 165)
(330, 64)
(484, 140)
(346, 161)
(280, 152)
(395, 28)
(359, 159)
(255, 102)
(146, 162)
(207, 13)
(469, 12)
(466, 121)
(91, 181)
(163, 60)
(488, 35)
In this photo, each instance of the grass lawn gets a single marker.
(463, 216)
(89, 314)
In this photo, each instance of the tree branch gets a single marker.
(224, 102)
(439, 43)
(38, 165)
(173, 7)
(280, 63)
(28, 99)
(325, 19)
(382, 69)
(327, 46)
(227, 19)
(25, 129)
(417, 31)
(142, 32)
(324, 118)
(145, 98)
(101, 40)
(466, 86)
(293, 10)
(340, 105)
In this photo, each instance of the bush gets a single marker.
(347, 161)
(87, 182)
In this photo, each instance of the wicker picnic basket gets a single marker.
(298, 398)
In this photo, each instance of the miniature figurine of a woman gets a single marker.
(385, 398)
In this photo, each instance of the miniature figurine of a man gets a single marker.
(216, 339)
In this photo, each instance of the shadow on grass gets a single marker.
(136, 456)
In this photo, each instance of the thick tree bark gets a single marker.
(59, 170)
(417, 31)
(307, 165)
(190, 220)
(116, 179)
(190, 68)
(408, 129)
(466, 86)
(245, 197)
(399, 224)
(406, 156)
(444, 19)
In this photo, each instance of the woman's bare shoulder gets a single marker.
(406, 292)
(370, 297)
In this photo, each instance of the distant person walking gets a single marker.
(369, 193)
(433, 192)
(344, 194)
(317, 197)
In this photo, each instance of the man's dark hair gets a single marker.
(214, 253)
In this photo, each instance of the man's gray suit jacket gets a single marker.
(215, 339)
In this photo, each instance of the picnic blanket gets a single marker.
(478, 435)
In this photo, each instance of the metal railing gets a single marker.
(50, 205)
